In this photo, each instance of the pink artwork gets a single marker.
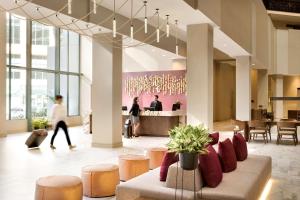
(170, 86)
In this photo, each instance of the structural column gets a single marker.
(243, 88)
(107, 91)
(200, 75)
(278, 105)
(2, 73)
(262, 88)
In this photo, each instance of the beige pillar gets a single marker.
(107, 91)
(243, 88)
(278, 93)
(262, 88)
(200, 75)
(2, 73)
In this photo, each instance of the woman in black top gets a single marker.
(135, 112)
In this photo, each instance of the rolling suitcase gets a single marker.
(36, 138)
(128, 129)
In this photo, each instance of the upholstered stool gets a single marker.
(100, 180)
(131, 166)
(58, 188)
(156, 156)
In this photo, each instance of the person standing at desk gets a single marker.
(156, 104)
(135, 112)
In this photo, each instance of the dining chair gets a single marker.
(288, 129)
(258, 127)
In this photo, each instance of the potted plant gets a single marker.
(188, 141)
(40, 125)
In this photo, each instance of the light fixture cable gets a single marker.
(176, 37)
(146, 18)
(168, 26)
(114, 21)
(131, 23)
(157, 29)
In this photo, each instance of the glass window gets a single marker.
(64, 87)
(18, 41)
(18, 94)
(64, 50)
(73, 95)
(43, 46)
(73, 52)
(43, 92)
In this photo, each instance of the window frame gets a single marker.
(30, 69)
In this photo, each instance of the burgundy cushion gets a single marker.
(215, 138)
(169, 159)
(240, 147)
(227, 156)
(210, 168)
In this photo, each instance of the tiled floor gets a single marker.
(19, 167)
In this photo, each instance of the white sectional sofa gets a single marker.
(245, 183)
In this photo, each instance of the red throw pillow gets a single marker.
(240, 147)
(227, 156)
(169, 159)
(210, 167)
(215, 138)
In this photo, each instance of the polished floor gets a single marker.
(19, 167)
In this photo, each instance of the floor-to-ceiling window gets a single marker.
(42, 61)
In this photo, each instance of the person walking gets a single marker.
(59, 115)
(135, 112)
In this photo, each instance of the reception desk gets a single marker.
(158, 123)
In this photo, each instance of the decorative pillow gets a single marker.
(169, 159)
(215, 138)
(240, 147)
(210, 168)
(227, 156)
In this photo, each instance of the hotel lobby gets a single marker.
(149, 100)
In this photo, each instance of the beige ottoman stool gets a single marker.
(132, 165)
(156, 156)
(100, 180)
(58, 188)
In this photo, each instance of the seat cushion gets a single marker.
(227, 156)
(215, 138)
(210, 168)
(257, 131)
(286, 132)
(240, 147)
(169, 159)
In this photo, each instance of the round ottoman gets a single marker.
(131, 166)
(156, 156)
(100, 180)
(58, 188)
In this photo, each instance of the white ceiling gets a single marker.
(177, 9)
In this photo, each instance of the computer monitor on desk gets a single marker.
(149, 108)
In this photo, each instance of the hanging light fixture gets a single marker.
(114, 21)
(95, 7)
(157, 29)
(146, 19)
(69, 7)
(176, 37)
(168, 26)
(131, 24)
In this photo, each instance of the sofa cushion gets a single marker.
(215, 138)
(227, 156)
(169, 159)
(240, 147)
(210, 168)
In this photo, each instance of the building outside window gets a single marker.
(53, 69)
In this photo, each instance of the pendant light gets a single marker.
(168, 26)
(176, 37)
(114, 21)
(131, 24)
(69, 7)
(95, 7)
(157, 29)
(146, 19)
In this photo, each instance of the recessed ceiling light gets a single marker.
(164, 55)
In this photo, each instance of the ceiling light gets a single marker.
(146, 19)
(157, 29)
(176, 38)
(131, 24)
(114, 21)
(69, 7)
(168, 26)
(95, 7)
